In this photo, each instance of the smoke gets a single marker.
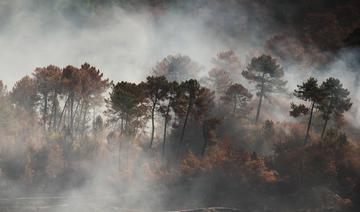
(125, 44)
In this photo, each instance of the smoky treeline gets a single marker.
(171, 105)
(177, 140)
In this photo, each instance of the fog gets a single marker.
(125, 45)
(125, 42)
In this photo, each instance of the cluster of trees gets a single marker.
(330, 98)
(63, 97)
(205, 125)
(173, 94)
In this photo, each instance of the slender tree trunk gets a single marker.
(75, 123)
(72, 114)
(84, 119)
(119, 153)
(324, 127)
(183, 129)
(53, 111)
(80, 117)
(205, 135)
(122, 125)
(260, 98)
(45, 109)
(309, 123)
(152, 123)
(165, 126)
(62, 112)
(327, 117)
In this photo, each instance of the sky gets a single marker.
(125, 44)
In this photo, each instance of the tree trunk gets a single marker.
(324, 128)
(165, 126)
(74, 117)
(183, 129)
(45, 109)
(309, 123)
(119, 153)
(261, 97)
(122, 125)
(77, 128)
(63, 110)
(72, 114)
(205, 135)
(84, 118)
(152, 124)
(54, 110)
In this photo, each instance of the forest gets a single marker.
(239, 134)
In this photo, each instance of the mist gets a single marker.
(124, 44)
(72, 152)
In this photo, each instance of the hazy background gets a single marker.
(125, 39)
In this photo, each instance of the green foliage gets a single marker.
(267, 74)
(336, 100)
(309, 91)
(127, 102)
(238, 96)
(298, 110)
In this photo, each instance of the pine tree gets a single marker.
(267, 74)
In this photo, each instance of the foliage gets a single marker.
(267, 74)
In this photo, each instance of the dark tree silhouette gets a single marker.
(155, 91)
(48, 82)
(127, 104)
(267, 74)
(308, 91)
(203, 106)
(238, 95)
(172, 93)
(190, 89)
(335, 101)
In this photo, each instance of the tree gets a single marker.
(225, 72)
(172, 93)
(177, 68)
(155, 91)
(203, 105)
(267, 74)
(238, 95)
(3, 89)
(93, 85)
(24, 94)
(83, 89)
(48, 80)
(127, 104)
(308, 91)
(69, 81)
(190, 89)
(335, 101)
